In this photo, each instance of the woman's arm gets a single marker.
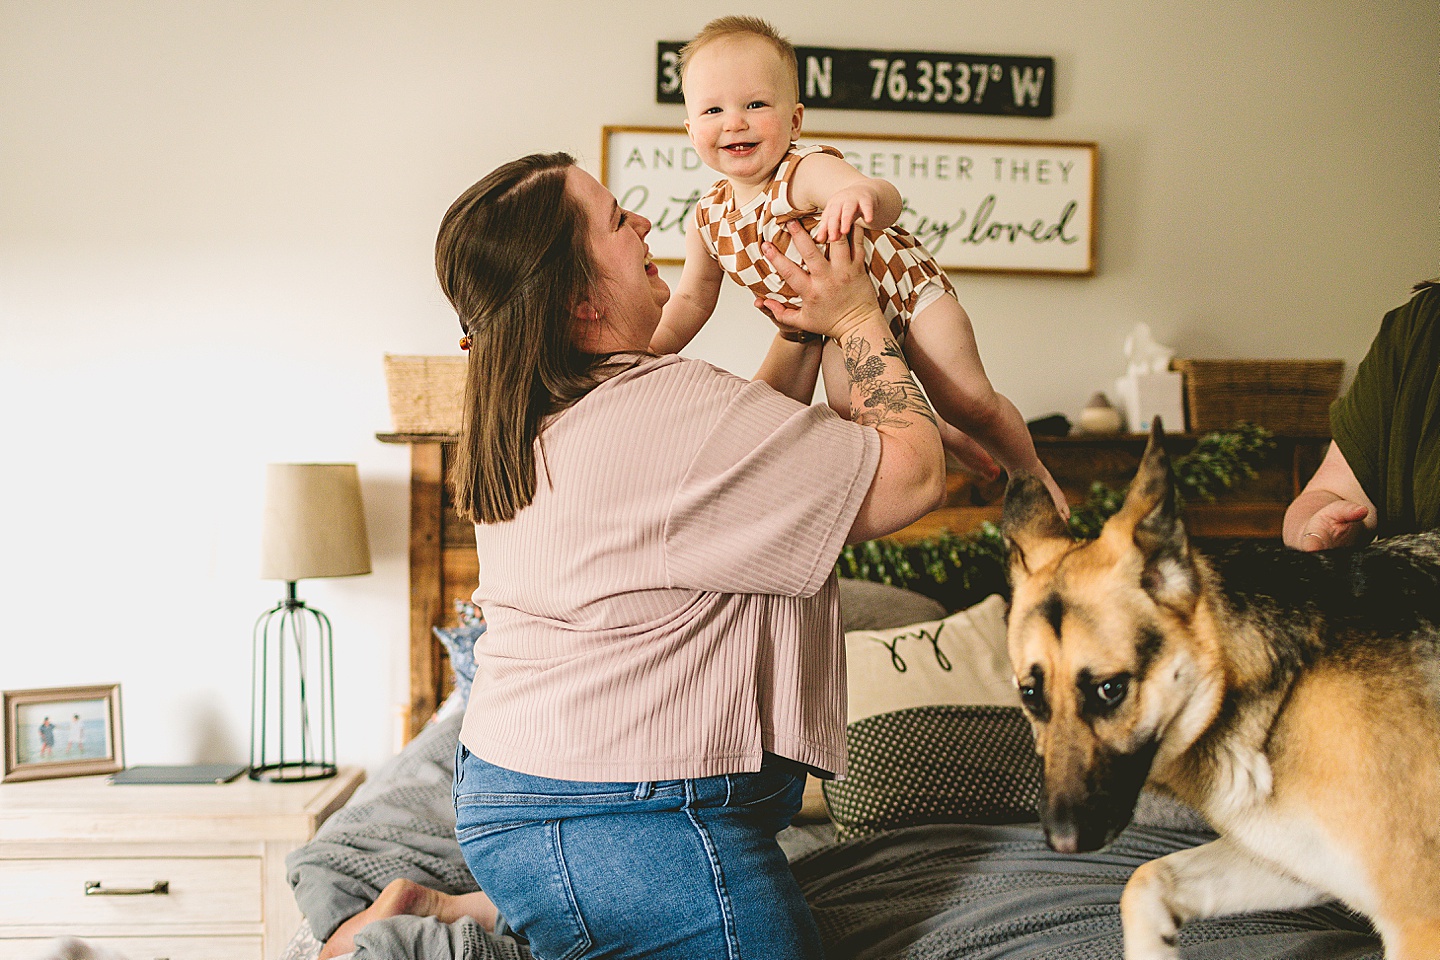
(845, 195)
(839, 302)
(1332, 511)
(694, 299)
(792, 368)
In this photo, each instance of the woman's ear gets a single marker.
(587, 331)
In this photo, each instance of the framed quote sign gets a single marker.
(1012, 206)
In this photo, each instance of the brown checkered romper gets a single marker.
(899, 265)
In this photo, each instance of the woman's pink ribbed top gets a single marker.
(666, 607)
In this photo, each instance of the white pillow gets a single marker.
(958, 661)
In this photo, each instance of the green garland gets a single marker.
(959, 570)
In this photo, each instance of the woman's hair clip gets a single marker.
(465, 342)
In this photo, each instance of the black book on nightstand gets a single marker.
(180, 773)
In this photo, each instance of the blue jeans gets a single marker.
(682, 869)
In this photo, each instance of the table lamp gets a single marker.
(314, 526)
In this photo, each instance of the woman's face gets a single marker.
(631, 293)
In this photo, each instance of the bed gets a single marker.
(928, 850)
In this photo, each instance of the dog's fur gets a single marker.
(1292, 698)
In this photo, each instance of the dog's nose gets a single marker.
(1063, 837)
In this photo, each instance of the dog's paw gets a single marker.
(1151, 929)
(1156, 939)
(1161, 952)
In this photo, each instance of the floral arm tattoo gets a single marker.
(887, 401)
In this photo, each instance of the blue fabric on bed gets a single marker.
(459, 644)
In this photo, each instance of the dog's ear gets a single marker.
(1150, 520)
(1034, 530)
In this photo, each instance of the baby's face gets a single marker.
(740, 110)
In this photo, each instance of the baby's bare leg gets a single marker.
(942, 352)
(406, 897)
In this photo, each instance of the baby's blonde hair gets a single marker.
(737, 26)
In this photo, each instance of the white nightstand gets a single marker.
(183, 872)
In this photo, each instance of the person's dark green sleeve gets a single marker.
(1388, 423)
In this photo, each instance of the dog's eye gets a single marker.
(1111, 692)
(1032, 695)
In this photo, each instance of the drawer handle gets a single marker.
(94, 889)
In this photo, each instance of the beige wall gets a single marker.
(215, 218)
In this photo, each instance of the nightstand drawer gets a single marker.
(131, 891)
(145, 948)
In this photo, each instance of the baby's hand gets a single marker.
(848, 206)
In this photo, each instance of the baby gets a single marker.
(743, 115)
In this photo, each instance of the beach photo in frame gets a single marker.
(1004, 206)
(62, 732)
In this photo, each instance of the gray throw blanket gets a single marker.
(952, 891)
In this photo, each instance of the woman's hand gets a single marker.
(835, 291)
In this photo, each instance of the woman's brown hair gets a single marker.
(512, 259)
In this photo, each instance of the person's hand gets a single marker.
(1337, 524)
(848, 208)
(835, 290)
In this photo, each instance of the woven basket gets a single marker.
(426, 393)
(1287, 397)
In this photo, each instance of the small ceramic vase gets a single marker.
(1099, 416)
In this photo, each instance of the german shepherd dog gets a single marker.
(1292, 698)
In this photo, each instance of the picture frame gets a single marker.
(978, 205)
(62, 732)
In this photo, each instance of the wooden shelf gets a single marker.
(417, 437)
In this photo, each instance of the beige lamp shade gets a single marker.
(314, 522)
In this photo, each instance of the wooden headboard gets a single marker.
(443, 566)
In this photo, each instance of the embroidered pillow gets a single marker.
(958, 660)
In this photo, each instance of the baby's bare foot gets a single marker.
(407, 897)
(399, 896)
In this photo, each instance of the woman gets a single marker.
(657, 541)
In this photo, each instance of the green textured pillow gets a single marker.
(936, 764)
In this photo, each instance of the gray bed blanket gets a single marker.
(942, 892)
(946, 891)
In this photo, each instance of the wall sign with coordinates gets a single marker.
(906, 80)
(1011, 206)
